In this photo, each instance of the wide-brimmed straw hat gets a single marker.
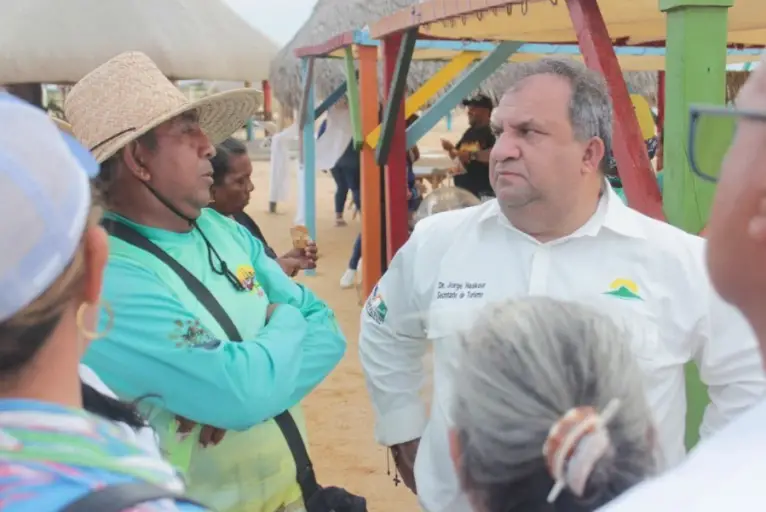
(127, 96)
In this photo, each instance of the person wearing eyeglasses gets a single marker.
(725, 472)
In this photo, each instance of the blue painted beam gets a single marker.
(249, 128)
(331, 100)
(363, 38)
(396, 96)
(467, 83)
(309, 153)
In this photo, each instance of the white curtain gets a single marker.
(336, 137)
(279, 173)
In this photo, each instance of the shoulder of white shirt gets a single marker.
(725, 472)
(658, 233)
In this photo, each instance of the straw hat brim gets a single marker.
(220, 115)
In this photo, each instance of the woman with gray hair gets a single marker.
(549, 411)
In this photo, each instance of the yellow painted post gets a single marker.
(431, 88)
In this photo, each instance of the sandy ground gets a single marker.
(339, 412)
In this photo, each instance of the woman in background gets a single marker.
(232, 186)
(549, 412)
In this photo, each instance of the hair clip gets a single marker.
(563, 441)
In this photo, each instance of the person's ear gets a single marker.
(133, 158)
(593, 155)
(96, 253)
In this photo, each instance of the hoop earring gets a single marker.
(80, 321)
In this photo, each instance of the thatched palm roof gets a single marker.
(329, 18)
(333, 17)
(55, 41)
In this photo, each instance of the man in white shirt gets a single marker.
(555, 229)
(726, 471)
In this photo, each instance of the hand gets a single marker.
(207, 436)
(409, 194)
(464, 156)
(270, 310)
(404, 458)
(306, 257)
(291, 266)
(447, 145)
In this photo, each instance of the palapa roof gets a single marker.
(633, 22)
(55, 41)
(333, 17)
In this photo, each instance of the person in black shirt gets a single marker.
(473, 148)
(232, 186)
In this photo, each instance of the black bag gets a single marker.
(315, 497)
(121, 497)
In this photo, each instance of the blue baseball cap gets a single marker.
(45, 199)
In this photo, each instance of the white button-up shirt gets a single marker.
(725, 472)
(647, 275)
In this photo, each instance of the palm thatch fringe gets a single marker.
(332, 17)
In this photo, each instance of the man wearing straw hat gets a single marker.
(208, 332)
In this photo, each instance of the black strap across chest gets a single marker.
(304, 468)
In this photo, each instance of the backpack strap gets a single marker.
(125, 496)
(304, 469)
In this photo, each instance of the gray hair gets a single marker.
(524, 365)
(590, 108)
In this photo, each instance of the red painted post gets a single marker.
(267, 112)
(635, 169)
(397, 230)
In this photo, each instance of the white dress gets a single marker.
(145, 438)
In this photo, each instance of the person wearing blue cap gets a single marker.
(221, 345)
(51, 271)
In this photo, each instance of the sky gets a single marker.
(280, 20)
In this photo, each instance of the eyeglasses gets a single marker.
(711, 131)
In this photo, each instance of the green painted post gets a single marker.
(352, 92)
(695, 73)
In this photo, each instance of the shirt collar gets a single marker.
(620, 218)
(611, 214)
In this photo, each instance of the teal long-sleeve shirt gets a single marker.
(164, 345)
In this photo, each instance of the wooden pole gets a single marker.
(372, 212)
(633, 163)
(267, 110)
(394, 157)
(695, 72)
